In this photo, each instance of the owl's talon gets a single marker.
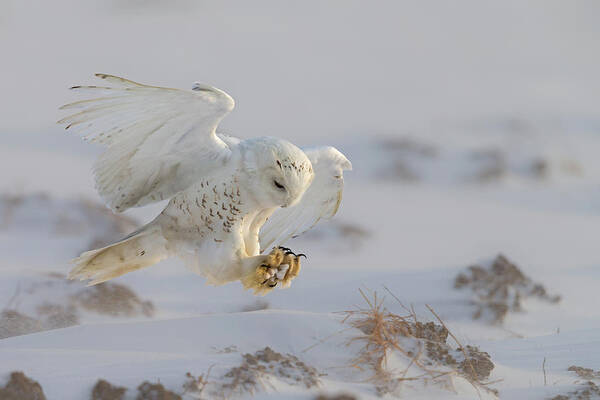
(301, 255)
(265, 277)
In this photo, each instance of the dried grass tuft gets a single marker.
(428, 358)
(64, 310)
(196, 386)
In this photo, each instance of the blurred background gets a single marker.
(313, 72)
(472, 125)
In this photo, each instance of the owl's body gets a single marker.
(211, 227)
(222, 189)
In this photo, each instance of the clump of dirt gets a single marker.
(424, 347)
(68, 303)
(105, 391)
(49, 316)
(351, 231)
(406, 154)
(499, 289)
(341, 396)
(226, 350)
(585, 373)
(65, 217)
(477, 366)
(56, 316)
(255, 369)
(20, 387)
(540, 168)
(155, 391)
(116, 225)
(587, 390)
(112, 299)
(348, 233)
(492, 165)
(13, 323)
(409, 145)
(256, 306)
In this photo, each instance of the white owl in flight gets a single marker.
(162, 144)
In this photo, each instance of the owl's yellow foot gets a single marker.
(281, 265)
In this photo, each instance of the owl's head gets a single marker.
(279, 172)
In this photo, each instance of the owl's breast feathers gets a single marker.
(211, 209)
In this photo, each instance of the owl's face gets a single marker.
(285, 181)
(281, 175)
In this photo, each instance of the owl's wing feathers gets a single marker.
(159, 139)
(320, 201)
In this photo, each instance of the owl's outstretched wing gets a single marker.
(320, 201)
(159, 139)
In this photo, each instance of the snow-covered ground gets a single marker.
(464, 145)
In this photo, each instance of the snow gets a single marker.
(472, 129)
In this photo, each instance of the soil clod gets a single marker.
(20, 387)
(155, 391)
(105, 391)
(500, 289)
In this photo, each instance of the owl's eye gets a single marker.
(278, 185)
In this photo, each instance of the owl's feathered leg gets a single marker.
(265, 271)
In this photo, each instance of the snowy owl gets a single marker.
(229, 199)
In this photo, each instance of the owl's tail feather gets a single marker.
(141, 249)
